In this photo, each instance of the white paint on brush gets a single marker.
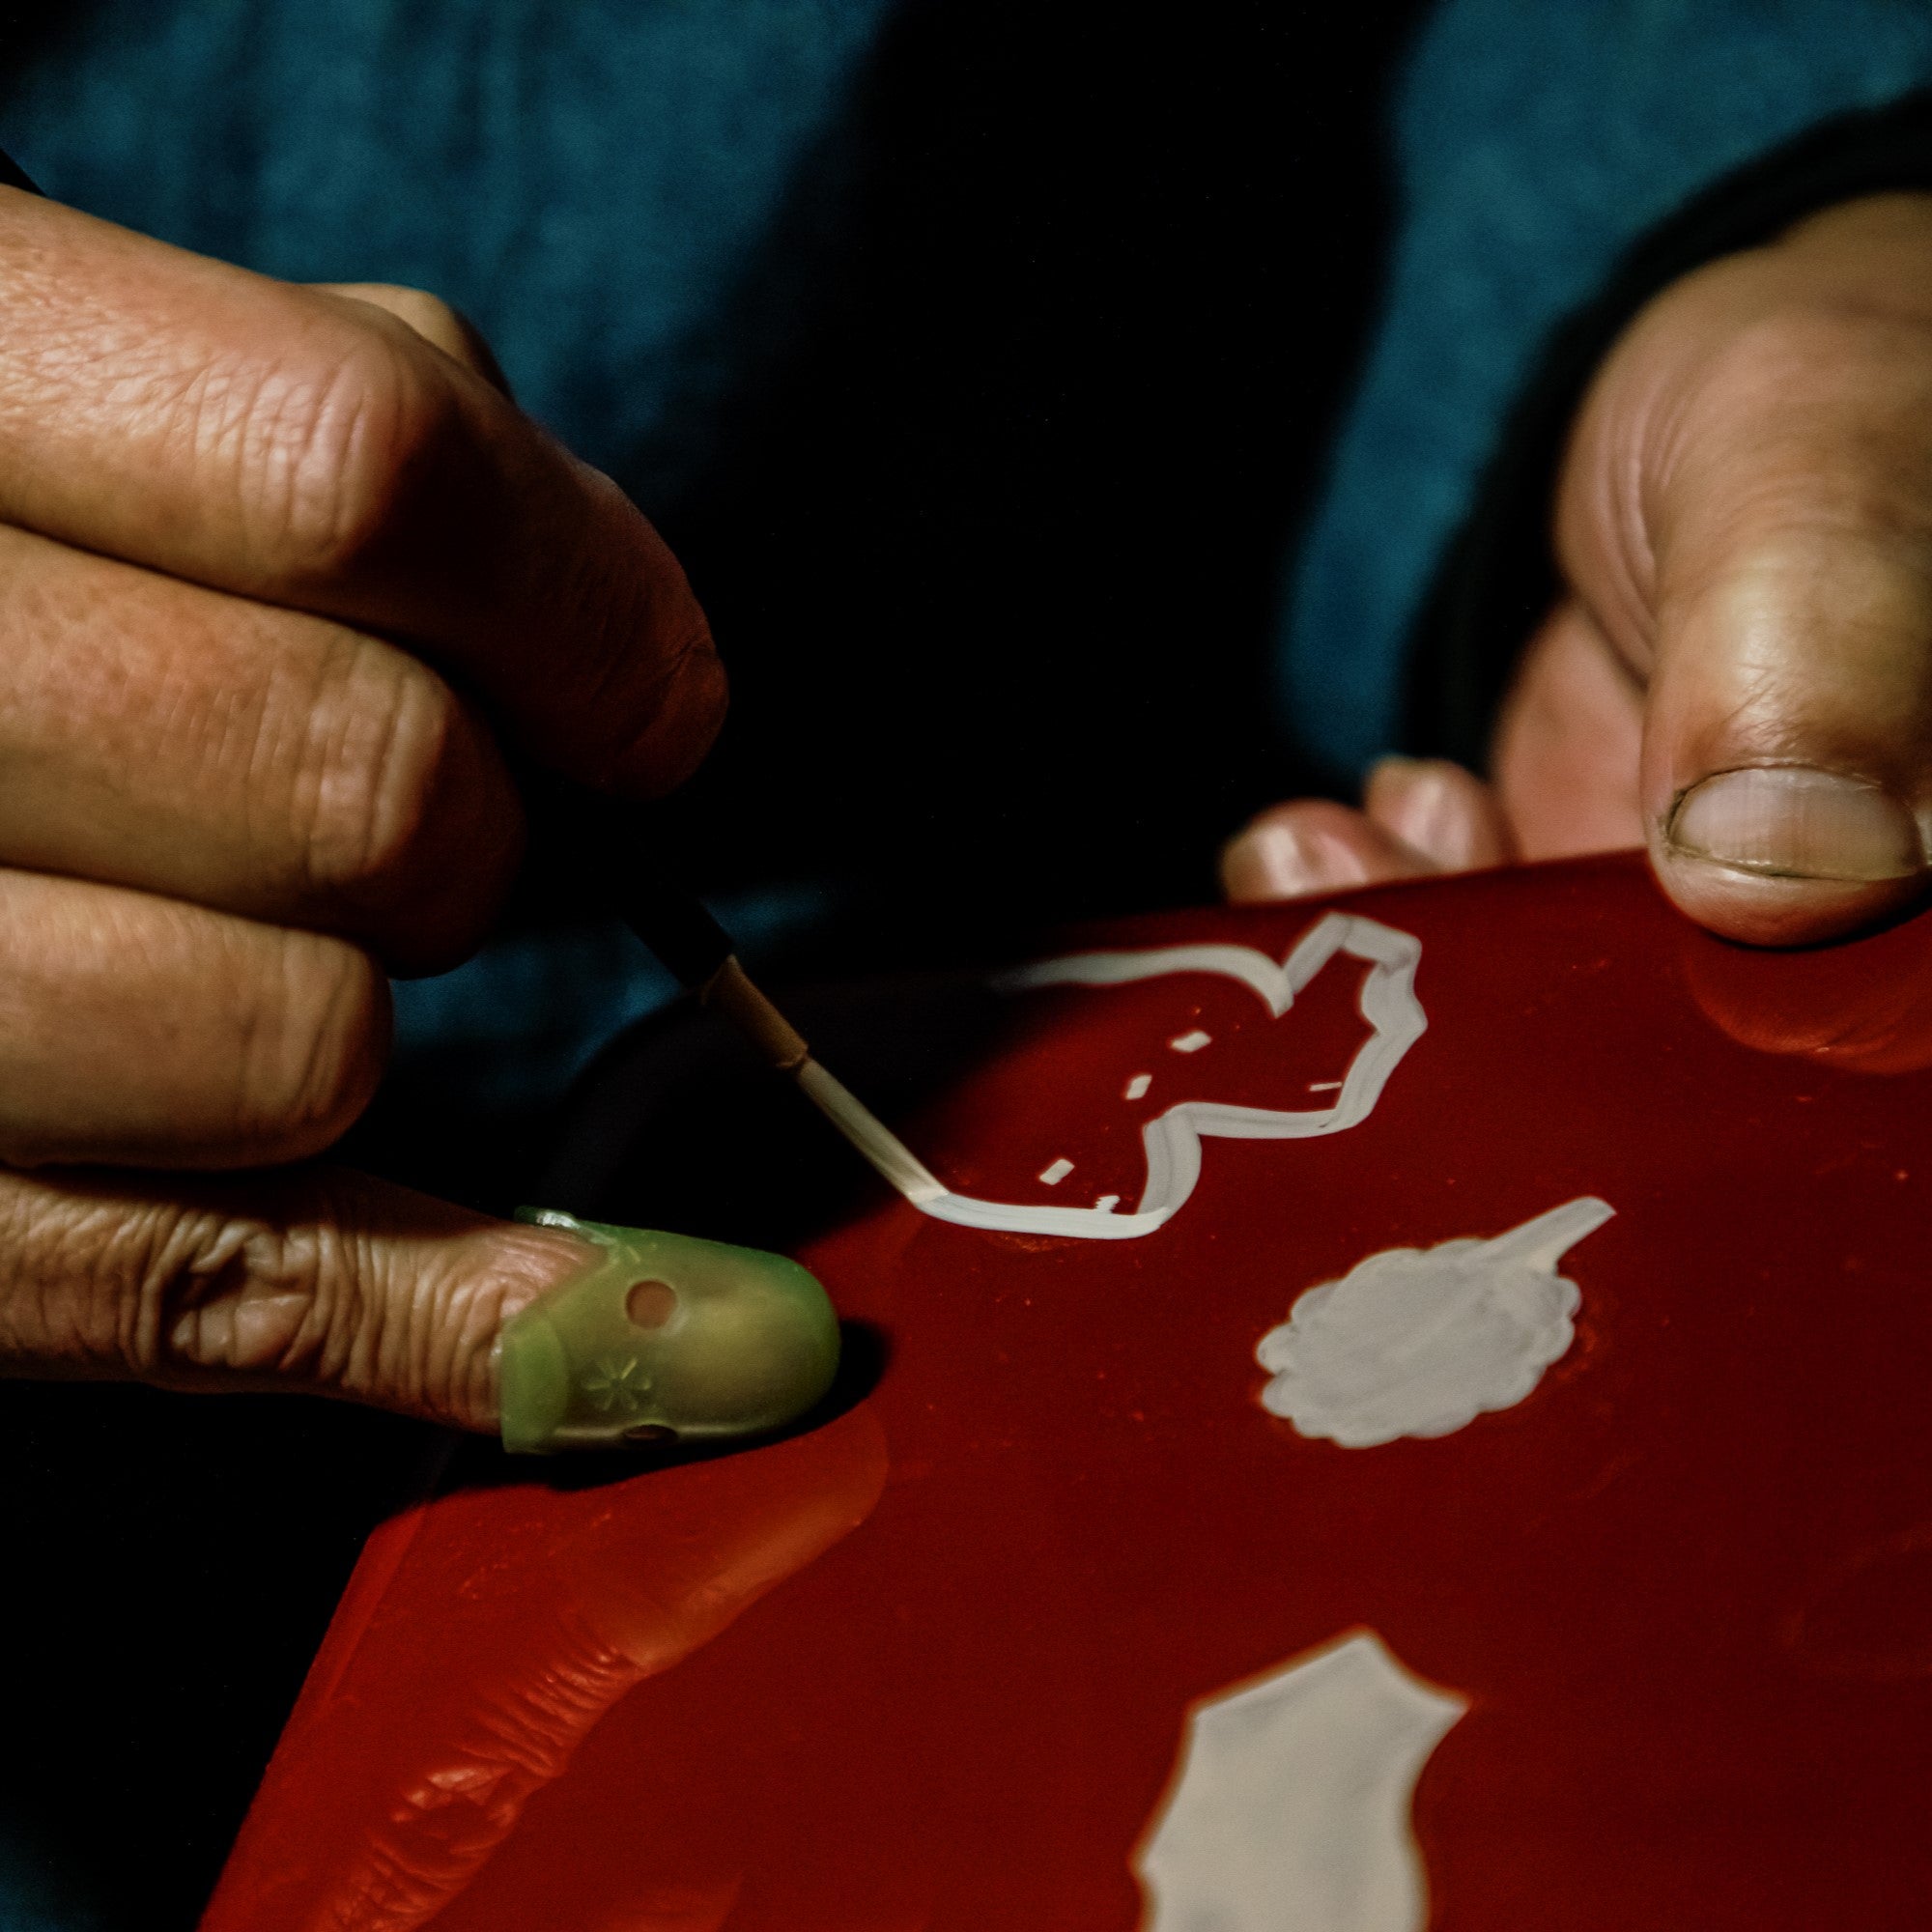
(1137, 1087)
(1191, 1042)
(888, 1154)
(1057, 1172)
(1172, 1141)
(1289, 1808)
(1421, 1341)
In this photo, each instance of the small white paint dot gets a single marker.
(1107, 1203)
(1190, 1043)
(1053, 1175)
(1137, 1086)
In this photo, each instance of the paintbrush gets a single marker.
(614, 843)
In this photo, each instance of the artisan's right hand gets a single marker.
(270, 557)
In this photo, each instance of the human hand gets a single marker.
(255, 540)
(1739, 674)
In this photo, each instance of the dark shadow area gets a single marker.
(27, 31)
(995, 554)
(172, 1562)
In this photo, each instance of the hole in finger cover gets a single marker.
(650, 1304)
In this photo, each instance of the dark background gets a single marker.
(994, 553)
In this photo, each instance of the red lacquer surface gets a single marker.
(926, 1669)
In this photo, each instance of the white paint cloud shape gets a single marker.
(1421, 1341)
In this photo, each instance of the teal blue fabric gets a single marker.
(598, 183)
(1533, 144)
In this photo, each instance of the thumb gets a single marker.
(1747, 510)
(312, 1279)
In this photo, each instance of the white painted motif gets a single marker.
(1421, 1341)
(1191, 1042)
(1137, 1087)
(1290, 1809)
(1172, 1141)
(1055, 1172)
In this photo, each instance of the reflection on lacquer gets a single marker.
(1863, 1005)
(413, 1755)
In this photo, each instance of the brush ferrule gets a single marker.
(732, 995)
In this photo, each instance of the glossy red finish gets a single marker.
(926, 1669)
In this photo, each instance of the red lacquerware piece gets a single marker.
(1598, 1596)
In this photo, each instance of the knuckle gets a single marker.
(312, 1015)
(1797, 360)
(683, 705)
(387, 742)
(241, 1295)
(438, 324)
(1769, 352)
(429, 315)
(100, 1279)
(296, 1280)
(249, 1295)
(1808, 414)
(399, 818)
(338, 457)
(666, 708)
(446, 329)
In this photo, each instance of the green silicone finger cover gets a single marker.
(663, 1335)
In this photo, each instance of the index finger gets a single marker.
(294, 447)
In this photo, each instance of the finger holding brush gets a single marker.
(284, 575)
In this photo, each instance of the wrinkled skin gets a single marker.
(254, 541)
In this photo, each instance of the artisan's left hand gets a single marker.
(1738, 674)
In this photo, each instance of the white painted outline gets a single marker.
(1172, 1140)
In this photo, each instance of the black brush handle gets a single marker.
(611, 846)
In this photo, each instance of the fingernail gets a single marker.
(1286, 860)
(663, 1335)
(1796, 822)
(1421, 805)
